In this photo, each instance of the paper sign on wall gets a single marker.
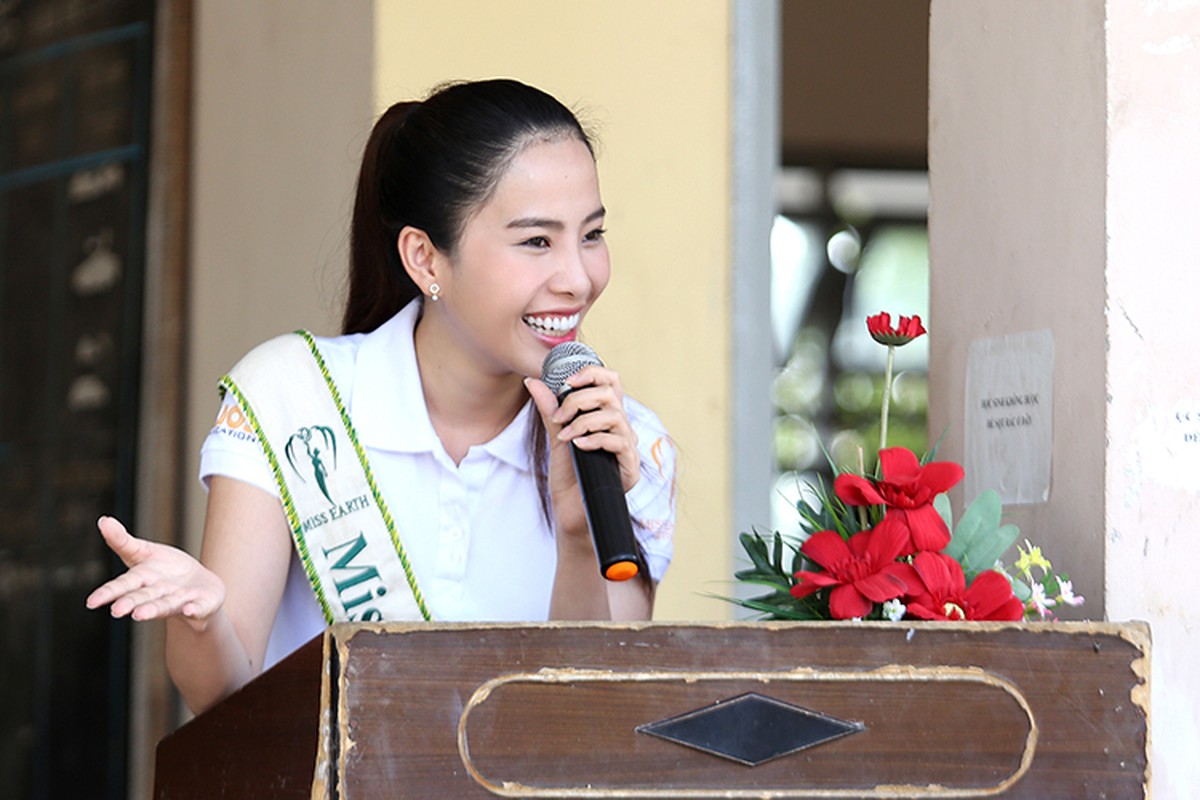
(1009, 416)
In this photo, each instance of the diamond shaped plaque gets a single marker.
(751, 729)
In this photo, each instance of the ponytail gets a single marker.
(379, 285)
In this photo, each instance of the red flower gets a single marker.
(943, 595)
(863, 570)
(882, 331)
(907, 489)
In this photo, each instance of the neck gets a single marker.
(467, 404)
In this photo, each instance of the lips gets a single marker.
(551, 326)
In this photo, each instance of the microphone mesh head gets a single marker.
(563, 361)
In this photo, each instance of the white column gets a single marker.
(1063, 172)
(1152, 430)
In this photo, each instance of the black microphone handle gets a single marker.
(607, 512)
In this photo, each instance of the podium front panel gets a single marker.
(752, 710)
(557, 711)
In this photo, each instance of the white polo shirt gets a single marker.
(474, 532)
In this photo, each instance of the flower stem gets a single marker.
(887, 397)
(862, 510)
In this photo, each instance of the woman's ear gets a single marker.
(419, 256)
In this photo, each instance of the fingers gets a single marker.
(161, 581)
(118, 587)
(592, 389)
(131, 595)
(139, 604)
(592, 417)
(130, 549)
(590, 430)
(191, 605)
(543, 399)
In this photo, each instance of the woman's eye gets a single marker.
(594, 236)
(536, 241)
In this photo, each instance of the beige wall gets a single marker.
(282, 102)
(653, 79)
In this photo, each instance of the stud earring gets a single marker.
(433, 291)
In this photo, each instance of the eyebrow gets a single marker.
(552, 224)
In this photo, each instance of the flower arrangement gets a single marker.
(886, 545)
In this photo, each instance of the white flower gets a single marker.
(1067, 595)
(1042, 603)
(894, 610)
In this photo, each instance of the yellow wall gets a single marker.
(654, 80)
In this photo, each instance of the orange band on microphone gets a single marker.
(621, 571)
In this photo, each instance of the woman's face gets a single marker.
(530, 261)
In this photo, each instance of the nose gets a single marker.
(571, 276)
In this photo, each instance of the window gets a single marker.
(846, 244)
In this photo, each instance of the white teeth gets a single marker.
(552, 325)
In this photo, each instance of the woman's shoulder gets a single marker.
(340, 353)
(276, 357)
(643, 418)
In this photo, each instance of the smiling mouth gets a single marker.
(552, 326)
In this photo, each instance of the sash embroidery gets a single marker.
(343, 531)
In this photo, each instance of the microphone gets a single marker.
(598, 474)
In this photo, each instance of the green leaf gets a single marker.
(799, 562)
(1020, 588)
(941, 504)
(991, 549)
(821, 510)
(979, 540)
(779, 612)
(988, 548)
(756, 549)
(776, 605)
(931, 454)
(980, 518)
(763, 580)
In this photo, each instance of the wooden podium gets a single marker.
(1055, 710)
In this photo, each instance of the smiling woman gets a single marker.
(415, 467)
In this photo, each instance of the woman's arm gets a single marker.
(219, 610)
(580, 592)
(592, 418)
(248, 544)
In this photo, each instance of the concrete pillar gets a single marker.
(1063, 172)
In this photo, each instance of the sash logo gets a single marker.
(310, 440)
(348, 575)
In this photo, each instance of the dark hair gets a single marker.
(430, 165)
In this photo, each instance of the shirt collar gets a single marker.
(388, 404)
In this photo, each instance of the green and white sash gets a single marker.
(340, 524)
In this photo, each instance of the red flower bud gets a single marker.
(880, 327)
